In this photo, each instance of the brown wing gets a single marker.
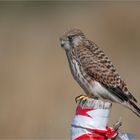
(100, 68)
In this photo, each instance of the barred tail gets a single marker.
(134, 108)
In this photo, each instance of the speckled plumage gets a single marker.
(94, 72)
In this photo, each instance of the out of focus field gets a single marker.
(37, 90)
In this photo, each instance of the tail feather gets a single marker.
(134, 108)
(132, 97)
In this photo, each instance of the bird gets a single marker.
(94, 71)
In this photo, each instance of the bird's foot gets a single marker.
(82, 98)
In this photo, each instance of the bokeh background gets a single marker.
(37, 90)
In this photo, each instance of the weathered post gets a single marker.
(91, 122)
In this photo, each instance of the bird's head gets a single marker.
(72, 38)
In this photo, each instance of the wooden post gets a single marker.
(91, 122)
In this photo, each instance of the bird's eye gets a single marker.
(70, 38)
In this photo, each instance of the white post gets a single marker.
(91, 122)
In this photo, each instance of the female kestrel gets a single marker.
(94, 72)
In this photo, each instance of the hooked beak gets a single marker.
(62, 43)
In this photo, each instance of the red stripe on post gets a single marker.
(83, 111)
(91, 137)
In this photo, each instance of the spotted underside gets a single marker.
(95, 66)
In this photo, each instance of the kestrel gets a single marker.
(94, 72)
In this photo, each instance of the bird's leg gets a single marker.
(83, 98)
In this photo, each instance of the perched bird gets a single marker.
(94, 72)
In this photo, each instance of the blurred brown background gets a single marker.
(37, 90)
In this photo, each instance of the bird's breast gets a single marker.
(79, 74)
(90, 86)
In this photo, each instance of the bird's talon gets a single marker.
(81, 98)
